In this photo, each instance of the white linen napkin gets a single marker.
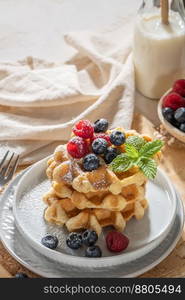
(40, 101)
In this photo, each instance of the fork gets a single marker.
(7, 169)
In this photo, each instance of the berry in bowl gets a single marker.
(171, 110)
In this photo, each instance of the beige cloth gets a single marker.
(40, 101)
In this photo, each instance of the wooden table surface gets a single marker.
(174, 264)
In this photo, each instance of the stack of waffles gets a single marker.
(79, 199)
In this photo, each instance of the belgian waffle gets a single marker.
(64, 211)
(79, 199)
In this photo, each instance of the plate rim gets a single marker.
(77, 260)
(134, 274)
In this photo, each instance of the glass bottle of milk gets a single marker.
(159, 48)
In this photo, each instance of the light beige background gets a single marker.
(36, 27)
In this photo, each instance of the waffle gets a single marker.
(59, 211)
(61, 156)
(96, 219)
(103, 179)
(107, 200)
(79, 199)
(65, 212)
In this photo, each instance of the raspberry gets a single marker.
(174, 101)
(101, 136)
(179, 87)
(84, 129)
(116, 241)
(77, 147)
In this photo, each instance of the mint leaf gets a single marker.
(151, 148)
(131, 151)
(122, 163)
(136, 141)
(138, 153)
(148, 167)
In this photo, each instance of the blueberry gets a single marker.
(99, 146)
(89, 237)
(168, 114)
(74, 240)
(50, 241)
(117, 138)
(21, 275)
(91, 162)
(180, 115)
(101, 125)
(93, 251)
(182, 127)
(175, 123)
(110, 154)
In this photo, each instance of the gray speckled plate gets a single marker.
(144, 235)
(30, 258)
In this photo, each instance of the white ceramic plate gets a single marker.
(36, 262)
(169, 127)
(144, 235)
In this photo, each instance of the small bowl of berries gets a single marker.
(171, 110)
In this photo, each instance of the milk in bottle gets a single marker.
(159, 51)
